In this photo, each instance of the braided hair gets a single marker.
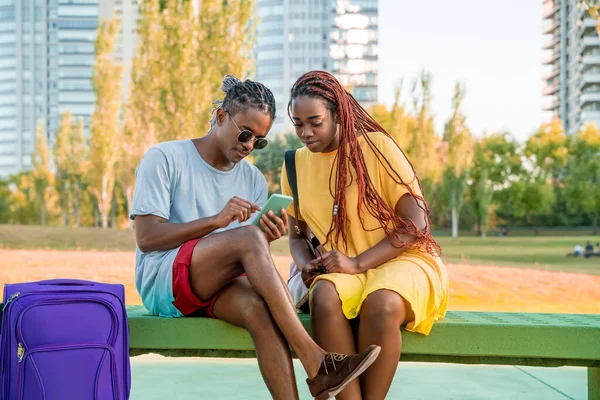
(241, 96)
(354, 120)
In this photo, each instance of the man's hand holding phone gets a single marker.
(273, 226)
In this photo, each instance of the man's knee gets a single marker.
(252, 237)
(384, 305)
(324, 298)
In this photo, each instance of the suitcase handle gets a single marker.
(66, 282)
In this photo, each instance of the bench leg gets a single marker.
(593, 383)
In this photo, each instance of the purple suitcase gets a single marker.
(64, 340)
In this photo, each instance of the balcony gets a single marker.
(550, 90)
(590, 116)
(551, 44)
(547, 30)
(552, 58)
(589, 98)
(590, 41)
(549, 9)
(552, 105)
(587, 26)
(590, 60)
(588, 79)
(551, 74)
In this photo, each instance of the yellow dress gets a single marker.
(418, 277)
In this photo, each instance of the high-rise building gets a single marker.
(46, 65)
(572, 80)
(353, 49)
(127, 12)
(297, 36)
(46, 62)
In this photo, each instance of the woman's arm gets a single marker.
(408, 208)
(298, 248)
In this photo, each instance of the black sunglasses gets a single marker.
(245, 136)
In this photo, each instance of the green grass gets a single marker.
(522, 252)
(59, 238)
(546, 252)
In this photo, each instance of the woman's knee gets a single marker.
(384, 305)
(324, 298)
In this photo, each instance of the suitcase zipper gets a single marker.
(70, 347)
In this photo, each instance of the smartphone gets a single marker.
(275, 203)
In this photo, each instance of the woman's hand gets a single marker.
(309, 272)
(336, 262)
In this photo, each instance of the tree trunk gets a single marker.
(104, 220)
(454, 222)
(77, 217)
(595, 225)
(479, 230)
(43, 212)
(113, 212)
(96, 217)
(64, 216)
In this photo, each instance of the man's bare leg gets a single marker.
(221, 257)
(240, 305)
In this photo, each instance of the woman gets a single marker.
(359, 195)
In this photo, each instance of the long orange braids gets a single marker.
(354, 120)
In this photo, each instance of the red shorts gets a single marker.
(185, 300)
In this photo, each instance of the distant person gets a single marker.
(589, 249)
(597, 253)
(504, 232)
(198, 254)
(577, 251)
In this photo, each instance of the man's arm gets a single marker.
(155, 233)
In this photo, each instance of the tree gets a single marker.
(182, 57)
(582, 183)
(481, 189)
(22, 205)
(459, 158)
(424, 146)
(104, 128)
(547, 150)
(42, 174)
(63, 163)
(496, 163)
(79, 170)
(4, 202)
(270, 159)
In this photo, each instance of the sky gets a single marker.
(494, 47)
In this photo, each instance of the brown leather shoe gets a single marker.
(337, 370)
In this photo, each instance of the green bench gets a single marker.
(547, 340)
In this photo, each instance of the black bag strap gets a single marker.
(290, 169)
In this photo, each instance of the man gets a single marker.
(197, 254)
